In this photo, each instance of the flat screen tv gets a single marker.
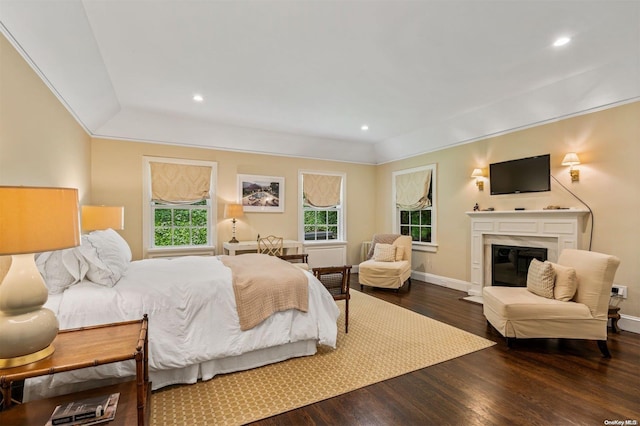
(530, 174)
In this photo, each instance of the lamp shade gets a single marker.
(233, 211)
(477, 173)
(102, 217)
(36, 219)
(571, 159)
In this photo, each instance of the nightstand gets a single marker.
(614, 316)
(82, 348)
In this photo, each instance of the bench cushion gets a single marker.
(384, 274)
(515, 303)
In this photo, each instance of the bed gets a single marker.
(194, 328)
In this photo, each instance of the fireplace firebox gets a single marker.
(510, 264)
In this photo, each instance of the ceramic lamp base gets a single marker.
(26, 359)
(26, 328)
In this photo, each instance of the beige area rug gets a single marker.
(384, 341)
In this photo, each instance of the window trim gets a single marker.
(342, 222)
(395, 219)
(147, 222)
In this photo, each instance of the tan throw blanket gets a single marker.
(264, 285)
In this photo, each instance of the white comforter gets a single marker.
(192, 315)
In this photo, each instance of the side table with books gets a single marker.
(82, 348)
(85, 412)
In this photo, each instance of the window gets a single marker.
(414, 205)
(323, 210)
(416, 223)
(321, 224)
(179, 205)
(182, 225)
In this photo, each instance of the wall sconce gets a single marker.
(233, 211)
(571, 159)
(477, 174)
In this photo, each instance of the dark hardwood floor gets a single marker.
(537, 382)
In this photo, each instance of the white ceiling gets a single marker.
(301, 77)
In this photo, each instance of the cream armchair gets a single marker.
(517, 312)
(388, 265)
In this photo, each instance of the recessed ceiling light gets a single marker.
(561, 41)
(364, 127)
(198, 98)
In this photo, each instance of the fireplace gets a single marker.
(549, 230)
(510, 264)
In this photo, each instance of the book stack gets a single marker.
(89, 411)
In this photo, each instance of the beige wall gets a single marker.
(608, 143)
(41, 144)
(117, 180)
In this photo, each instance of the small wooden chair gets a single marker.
(299, 260)
(336, 279)
(271, 245)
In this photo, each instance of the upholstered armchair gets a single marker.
(388, 263)
(568, 301)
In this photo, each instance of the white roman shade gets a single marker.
(321, 190)
(179, 183)
(412, 190)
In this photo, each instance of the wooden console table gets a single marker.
(81, 348)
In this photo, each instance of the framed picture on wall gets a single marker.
(264, 194)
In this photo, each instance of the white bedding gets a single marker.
(193, 322)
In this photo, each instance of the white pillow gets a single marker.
(541, 278)
(384, 253)
(61, 269)
(107, 254)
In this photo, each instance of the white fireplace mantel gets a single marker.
(555, 229)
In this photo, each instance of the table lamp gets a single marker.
(102, 217)
(32, 220)
(233, 211)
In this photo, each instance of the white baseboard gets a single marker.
(441, 281)
(629, 323)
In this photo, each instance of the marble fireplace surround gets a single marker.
(554, 230)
